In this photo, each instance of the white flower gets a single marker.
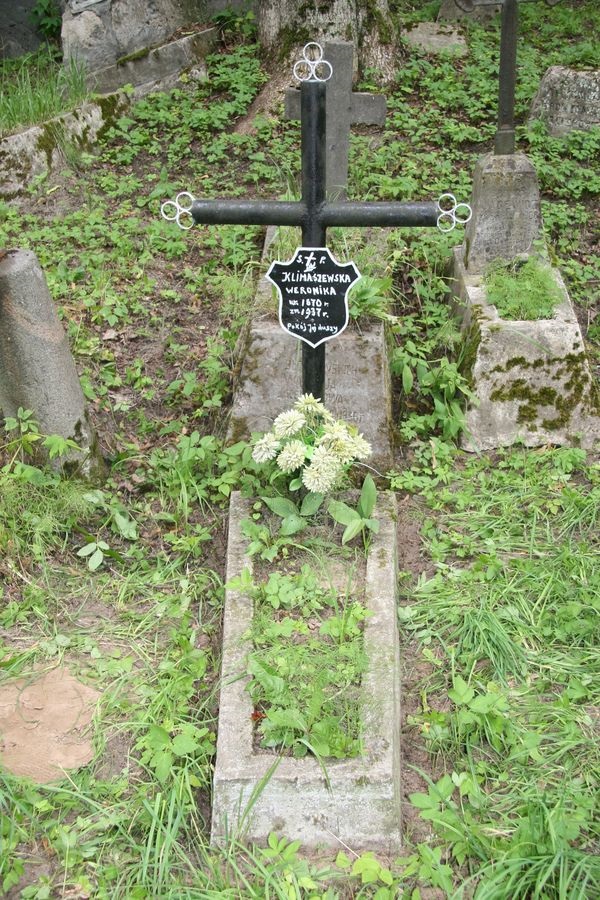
(265, 448)
(323, 472)
(338, 441)
(291, 457)
(311, 408)
(289, 423)
(361, 448)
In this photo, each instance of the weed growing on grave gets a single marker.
(306, 664)
(523, 289)
(37, 87)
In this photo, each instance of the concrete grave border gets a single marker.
(37, 150)
(259, 792)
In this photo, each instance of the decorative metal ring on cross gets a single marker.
(312, 66)
(178, 209)
(452, 213)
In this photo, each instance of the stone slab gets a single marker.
(259, 792)
(506, 216)
(357, 386)
(568, 100)
(532, 380)
(434, 38)
(160, 67)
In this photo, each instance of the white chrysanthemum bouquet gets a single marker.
(306, 441)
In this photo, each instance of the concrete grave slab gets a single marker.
(568, 100)
(506, 216)
(434, 38)
(532, 380)
(259, 792)
(357, 386)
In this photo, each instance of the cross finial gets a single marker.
(312, 66)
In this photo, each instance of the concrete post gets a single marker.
(37, 370)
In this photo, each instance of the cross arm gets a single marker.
(248, 212)
(382, 214)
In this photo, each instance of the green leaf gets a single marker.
(292, 525)
(184, 744)
(342, 513)
(311, 504)
(287, 718)
(125, 526)
(342, 861)
(95, 560)
(87, 550)
(163, 763)
(295, 484)
(354, 528)
(407, 379)
(372, 525)
(368, 497)
(460, 693)
(280, 506)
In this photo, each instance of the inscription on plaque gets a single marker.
(313, 294)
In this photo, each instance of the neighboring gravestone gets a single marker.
(344, 108)
(506, 210)
(532, 379)
(434, 38)
(101, 32)
(18, 34)
(568, 100)
(37, 371)
(452, 11)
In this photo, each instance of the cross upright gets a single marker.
(504, 141)
(343, 108)
(313, 213)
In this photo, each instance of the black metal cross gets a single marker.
(312, 212)
(504, 141)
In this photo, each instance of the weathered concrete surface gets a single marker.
(433, 38)
(567, 100)
(40, 149)
(452, 12)
(344, 108)
(258, 792)
(160, 67)
(357, 385)
(37, 370)
(532, 380)
(506, 210)
(99, 34)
